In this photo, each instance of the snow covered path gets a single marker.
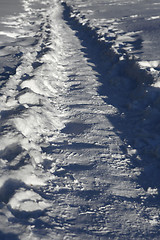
(65, 171)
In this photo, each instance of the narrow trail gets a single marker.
(64, 174)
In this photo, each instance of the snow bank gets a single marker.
(129, 84)
(76, 110)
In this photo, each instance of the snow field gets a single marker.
(66, 161)
(135, 91)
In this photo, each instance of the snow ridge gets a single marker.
(126, 86)
(70, 163)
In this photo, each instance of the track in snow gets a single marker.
(65, 172)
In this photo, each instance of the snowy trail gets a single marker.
(64, 171)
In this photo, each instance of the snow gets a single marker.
(79, 119)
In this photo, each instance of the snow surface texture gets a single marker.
(79, 125)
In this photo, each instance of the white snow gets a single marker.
(79, 120)
(27, 201)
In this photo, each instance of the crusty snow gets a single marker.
(79, 120)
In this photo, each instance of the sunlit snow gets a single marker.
(79, 119)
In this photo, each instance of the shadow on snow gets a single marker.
(128, 88)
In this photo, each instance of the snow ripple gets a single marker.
(65, 165)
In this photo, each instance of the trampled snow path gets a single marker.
(65, 172)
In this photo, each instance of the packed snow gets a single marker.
(79, 119)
